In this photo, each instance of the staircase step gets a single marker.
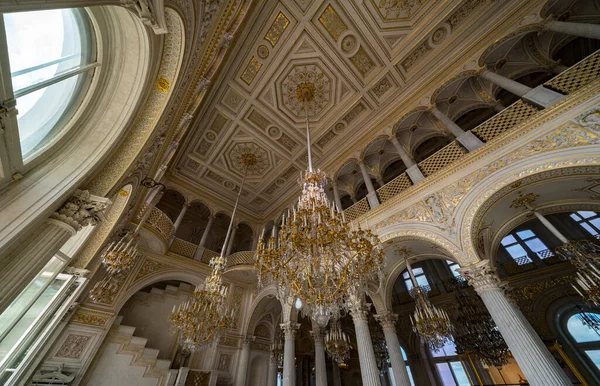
(156, 291)
(171, 289)
(138, 341)
(150, 353)
(125, 330)
(118, 320)
(185, 287)
(162, 365)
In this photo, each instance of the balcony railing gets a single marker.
(183, 248)
(161, 223)
(569, 81)
(240, 258)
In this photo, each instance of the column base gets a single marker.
(415, 174)
(373, 200)
(469, 140)
(543, 96)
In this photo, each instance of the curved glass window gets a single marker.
(50, 54)
(586, 338)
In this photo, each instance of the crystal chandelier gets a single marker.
(589, 319)
(585, 256)
(206, 315)
(432, 324)
(317, 258)
(475, 332)
(120, 255)
(337, 343)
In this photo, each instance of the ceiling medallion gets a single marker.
(244, 152)
(306, 83)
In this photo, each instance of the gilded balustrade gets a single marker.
(183, 248)
(505, 120)
(361, 207)
(392, 188)
(161, 223)
(577, 76)
(240, 258)
(444, 157)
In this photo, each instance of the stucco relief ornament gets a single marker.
(226, 39)
(590, 120)
(308, 79)
(82, 209)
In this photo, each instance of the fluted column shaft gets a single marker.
(366, 354)
(372, 195)
(179, 220)
(466, 138)
(412, 169)
(387, 321)
(336, 196)
(242, 371)
(584, 30)
(289, 353)
(206, 231)
(538, 365)
(230, 243)
(320, 364)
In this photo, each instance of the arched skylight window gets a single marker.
(419, 276)
(586, 339)
(51, 57)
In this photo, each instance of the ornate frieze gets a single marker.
(82, 209)
(73, 346)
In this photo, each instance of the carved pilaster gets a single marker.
(387, 320)
(81, 209)
(481, 276)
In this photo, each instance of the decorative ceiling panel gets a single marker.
(359, 58)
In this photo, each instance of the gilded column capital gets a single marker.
(248, 339)
(289, 329)
(82, 209)
(387, 320)
(481, 276)
(317, 334)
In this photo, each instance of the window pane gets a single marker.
(410, 376)
(510, 239)
(596, 222)
(422, 280)
(40, 111)
(29, 318)
(449, 349)
(409, 284)
(588, 228)
(594, 356)
(42, 44)
(460, 374)
(526, 234)
(580, 332)
(22, 302)
(406, 275)
(418, 271)
(586, 214)
(403, 354)
(516, 251)
(445, 374)
(575, 217)
(536, 245)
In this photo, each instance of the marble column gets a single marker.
(336, 196)
(206, 231)
(178, 221)
(412, 169)
(540, 95)
(272, 376)
(466, 138)
(231, 239)
(242, 370)
(585, 30)
(320, 364)
(388, 322)
(337, 378)
(289, 353)
(372, 194)
(24, 263)
(366, 354)
(538, 365)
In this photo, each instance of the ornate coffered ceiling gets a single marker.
(365, 60)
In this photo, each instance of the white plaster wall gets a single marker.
(149, 314)
(113, 369)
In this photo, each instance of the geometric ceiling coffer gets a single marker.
(234, 158)
(306, 74)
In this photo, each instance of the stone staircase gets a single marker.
(142, 356)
